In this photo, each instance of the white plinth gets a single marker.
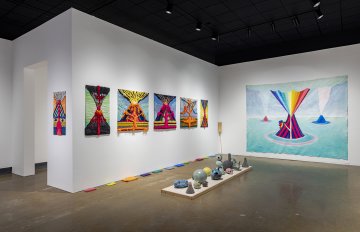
(171, 190)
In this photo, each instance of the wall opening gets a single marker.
(35, 116)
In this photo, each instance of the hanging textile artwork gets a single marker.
(164, 112)
(204, 111)
(319, 129)
(188, 114)
(59, 113)
(133, 111)
(97, 110)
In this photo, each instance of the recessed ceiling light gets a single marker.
(316, 3)
(273, 26)
(296, 21)
(249, 31)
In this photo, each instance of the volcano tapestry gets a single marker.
(97, 110)
(188, 113)
(308, 118)
(164, 112)
(133, 111)
(204, 111)
(59, 113)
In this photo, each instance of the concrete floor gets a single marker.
(276, 195)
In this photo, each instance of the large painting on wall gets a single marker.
(59, 113)
(97, 110)
(133, 111)
(164, 112)
(308, 118)
(204, 111)
(188, 113)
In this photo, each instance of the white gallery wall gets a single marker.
(49, 43)
(305, 66)
(6, 104)
(109, 56)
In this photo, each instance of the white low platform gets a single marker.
(171, 190)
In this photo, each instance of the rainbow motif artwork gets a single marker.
(307, 118)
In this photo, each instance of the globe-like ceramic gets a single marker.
(199, 175)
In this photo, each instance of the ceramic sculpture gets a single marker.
(220, 167)
(207, 170)
(236, 165)
(216, 174)
(190, 189)
(227, 163)
(197, 185)
(205, 183)
(199, 176)
(245, 163)
(180, 183)
(229, 171)
(218, 157)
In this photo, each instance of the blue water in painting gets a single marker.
(331, 139)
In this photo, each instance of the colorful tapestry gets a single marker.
(59, 113)
(164, 112)
(308, 118)
(133, 111)
(188, 114)
(97, 110)
(204, 111)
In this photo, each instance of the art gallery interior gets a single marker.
(105, 104)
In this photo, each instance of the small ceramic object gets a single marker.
(216, 174)
(229, 171)
(207, 170)
(199, 175)
(237, 166)
(190, 189)
(219, 163)
(245, 163)
(227, 164)
(205, 183)
(180, 183)
(197, 185)
(218, 157)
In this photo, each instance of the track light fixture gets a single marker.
(169, 8)
(319, 14)
(215, 36)
(198, 26)
(249, 31)
(296, 21)
(316, 3)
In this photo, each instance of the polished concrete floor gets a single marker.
(276, 195)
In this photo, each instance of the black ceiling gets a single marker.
(229, 18)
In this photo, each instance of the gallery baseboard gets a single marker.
(9, 169)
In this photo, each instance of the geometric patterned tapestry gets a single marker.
(133, 111)
(97, 110)
(188, 113)
(204, 111)
(164, 112)
(59, 113)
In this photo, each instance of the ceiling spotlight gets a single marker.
(296, 21)
(198, 26)
(249, 31)
(316, 3)
(273, 26)
(214, 36)
(169, 8)
(319, 14)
